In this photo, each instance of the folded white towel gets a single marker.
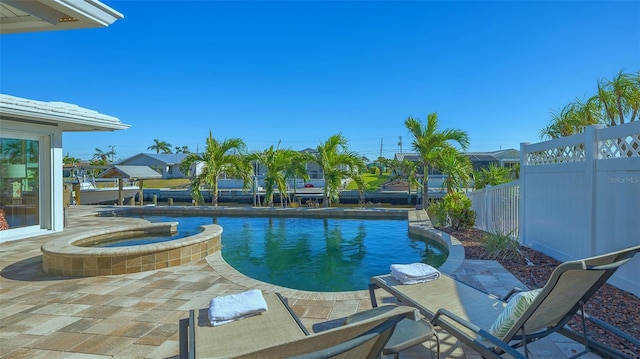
(414, 273)
(225, 309)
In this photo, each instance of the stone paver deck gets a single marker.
(136, 315)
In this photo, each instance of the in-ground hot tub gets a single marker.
(71, 256)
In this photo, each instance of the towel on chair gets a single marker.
(414, 273)
(225, 309)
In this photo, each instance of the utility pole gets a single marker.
(400, 143)
(113, 152)
(380, 147)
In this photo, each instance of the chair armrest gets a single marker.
(292, 313)
(513, 291)
(474, 343)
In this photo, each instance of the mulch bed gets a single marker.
(610, 304)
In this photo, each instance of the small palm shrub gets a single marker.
(491, 176)
(501, 245)
(454, 210)
(438, 214)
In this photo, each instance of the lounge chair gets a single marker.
(468, 314)
(278, 333)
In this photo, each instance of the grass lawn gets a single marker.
(167, 183)
(372, 182)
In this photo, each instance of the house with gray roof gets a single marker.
(479, 160)
(166, 164)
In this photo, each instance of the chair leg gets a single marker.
(524, 342)
(372, 295)
(584, 332)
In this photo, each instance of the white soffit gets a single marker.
(66, 116)
(17, 16)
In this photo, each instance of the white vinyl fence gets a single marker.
(497, 208)
(579, 197)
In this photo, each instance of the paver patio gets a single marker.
(136, 315)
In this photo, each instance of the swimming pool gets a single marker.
(314, 254)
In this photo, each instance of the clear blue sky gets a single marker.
(299, 72)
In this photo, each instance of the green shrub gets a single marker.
(491, 176)
(438, 214)
(454, 210)
(502, 245)
(459, 208)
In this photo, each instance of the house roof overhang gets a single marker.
(132, 172)
(67, 117)
(18, 16)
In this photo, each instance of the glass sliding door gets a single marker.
(19, 183)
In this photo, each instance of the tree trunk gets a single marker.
(214, 194)
(425, 187)
(325, 195)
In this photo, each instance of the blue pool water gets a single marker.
(314, 254)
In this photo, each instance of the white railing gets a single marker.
(497, 208)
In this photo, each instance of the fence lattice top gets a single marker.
(573, 153)
(628, 146)
(596, 143)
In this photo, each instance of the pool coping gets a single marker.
(70, 256)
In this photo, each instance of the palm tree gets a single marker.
(428, 141)
(100, 155)
(617, 101)
(356, 171)
(382, 163)
(407, 171)
(182, 149)
(160, 146)
(337, 163)
(69, 160)
(276, 162)
(100, 158)
(619, 97)
(298, 168)
(491, 176)
(572, 119)
(456, 167)
(514, 171)
(218, 158)
(411, 175)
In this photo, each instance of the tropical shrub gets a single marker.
(454, 210)
(501, 245)
(459, 208)
(438, 214)
(491, 176)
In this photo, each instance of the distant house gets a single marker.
(479, 160)
(313, 169)
(500, 158)
(166, 164)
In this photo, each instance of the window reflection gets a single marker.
(19, 182)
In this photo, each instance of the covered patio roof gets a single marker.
(131, 172)
(17, 16)
(67, 117)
